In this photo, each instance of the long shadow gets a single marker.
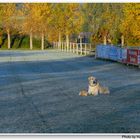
(51, 88)
(4, 37)
(20, 42)
(52, 66)
(12, 53)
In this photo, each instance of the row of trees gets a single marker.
(42, 20)
(109, 23)
(113, 22)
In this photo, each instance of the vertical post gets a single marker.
(90, 46)
(62, 46)
(73, 48)
(85, 49)
(122, 41)
(81, 48)
(59, 40)
(70, 46)
(42, 41)
(67, 42)
(105, 40)
(31, 40)
(65, 46)
(77, 48)
(81, 45)
(57, 45)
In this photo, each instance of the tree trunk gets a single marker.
(31, 41)
(42, 41)
(105, 41)
(122, 41)
(9, 39)
(59, 40)
(67, 41)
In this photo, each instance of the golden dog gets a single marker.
(94, 88)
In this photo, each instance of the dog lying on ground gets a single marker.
(94, 88)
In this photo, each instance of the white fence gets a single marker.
(78, 48)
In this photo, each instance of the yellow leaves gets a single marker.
(131, 21)
(37, 17)
(66, 18)
(8, 15)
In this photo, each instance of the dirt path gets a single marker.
(39, 94)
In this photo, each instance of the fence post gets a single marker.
(57, 45)
(81, 48)
(73, 48)
(77, 48)
(70, 46)
(65, 46)
(90, 46)
(85, 49)
(62, 46)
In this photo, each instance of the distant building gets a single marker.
(84, 37)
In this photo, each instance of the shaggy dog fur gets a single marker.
(94, 88)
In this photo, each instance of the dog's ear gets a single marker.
(89, 78)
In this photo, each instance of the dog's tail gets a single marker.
(104, 90)
(83, 93)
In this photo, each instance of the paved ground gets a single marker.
(39, 94)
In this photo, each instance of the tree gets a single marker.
(8, 12)
(28, 25)
(102, 20)
(58, 22)
(130, 26)
(72, 16)
(37, 19)
(66, 20)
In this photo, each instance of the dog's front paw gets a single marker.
(93, 94)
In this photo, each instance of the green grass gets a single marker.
(25, 44)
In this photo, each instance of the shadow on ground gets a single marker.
(42, 96)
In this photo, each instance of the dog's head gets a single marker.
(92, 81)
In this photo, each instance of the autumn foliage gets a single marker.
(59, 21)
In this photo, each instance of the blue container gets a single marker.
(113, 53)
(102, 51)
